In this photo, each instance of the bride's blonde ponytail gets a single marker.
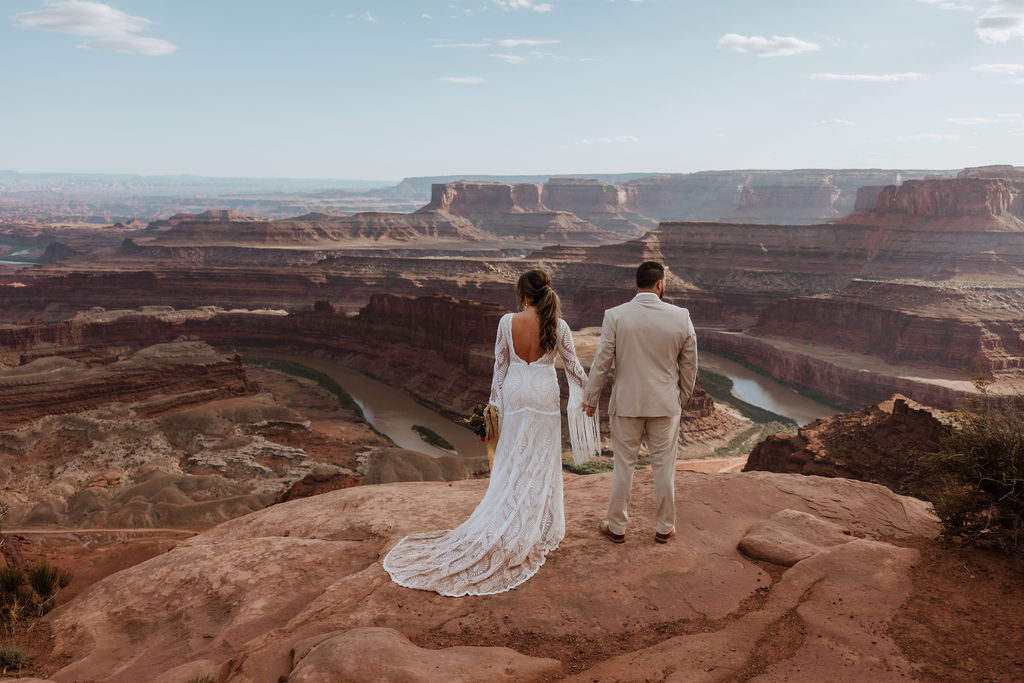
(535, 287)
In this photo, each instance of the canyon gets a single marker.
(138, 397)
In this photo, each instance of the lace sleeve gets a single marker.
(501, 361)
(584, 432)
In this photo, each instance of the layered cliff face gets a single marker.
(882, 444)
(978, 329)
(171, 375)
(974, 201)
(787, 197)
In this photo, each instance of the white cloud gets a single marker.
(836, 122)
(458, 45)
(997, 21)
(426, 16)
(1001, 22)
(528, 42)
(509, 59)
(1000, 69)
(617, 140)
(1017, 131)
(870, 78)
(365, 16)
(524, 4)
(924, 136)
(462, 80)
(972, 121)
(105, 27)
(1016, 116)
(775, 46)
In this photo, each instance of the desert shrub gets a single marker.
(13, 658)
(979, 469)
(11, 578)
(47, 580)
(201, 678)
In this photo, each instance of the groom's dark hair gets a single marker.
(648, 273)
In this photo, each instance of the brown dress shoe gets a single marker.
(664, 538)
(612, 536)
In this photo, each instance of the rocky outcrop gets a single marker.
(256, 597)
(882, 444)
(173, 374)
(990, 199)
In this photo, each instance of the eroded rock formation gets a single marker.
(327, 564)
(882, 444)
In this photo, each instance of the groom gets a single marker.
(654, 349)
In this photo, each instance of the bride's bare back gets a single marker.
(526, 335)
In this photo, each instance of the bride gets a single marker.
(521, 517)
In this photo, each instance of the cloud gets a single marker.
(365, 16)
(1001, 22)
(1001, 69)
(997, 21)
(509, 59)
(458, 45)
(836, 122)
(508, 5)
(528, 42)
(617, 140)
(871, 78)
(462, 80)
(426, 16)
(972, 121)
(775, 46)
(105, 27)
(924, 136)
(1017, 131)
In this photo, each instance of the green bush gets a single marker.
(13, 658)
(979, 469)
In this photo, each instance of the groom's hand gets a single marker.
(589, 410)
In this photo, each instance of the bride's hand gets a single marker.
(589, 410)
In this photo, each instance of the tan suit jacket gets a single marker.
(654, 349)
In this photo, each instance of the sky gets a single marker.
(384, 89)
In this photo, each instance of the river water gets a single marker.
(18, 263)
(765, 392)
(393, 412)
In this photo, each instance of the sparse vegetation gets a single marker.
(47, 580)
(594, 466)
(292, 368)
(432, 437)
(345, 400)
(13, 658)
(719, 387)
(201, 678)
(979, 470)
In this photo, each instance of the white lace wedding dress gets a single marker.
(521, 517)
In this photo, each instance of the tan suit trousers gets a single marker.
(662, 434)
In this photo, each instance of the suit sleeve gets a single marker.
(602, 363)
(687, 363)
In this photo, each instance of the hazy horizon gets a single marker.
(353, 89)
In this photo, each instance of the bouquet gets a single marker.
(486, 423)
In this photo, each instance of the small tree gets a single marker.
(979, 467)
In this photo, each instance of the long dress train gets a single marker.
(521, 517)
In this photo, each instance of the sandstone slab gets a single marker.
(249, 592)
(789, 536)
(344, 657)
